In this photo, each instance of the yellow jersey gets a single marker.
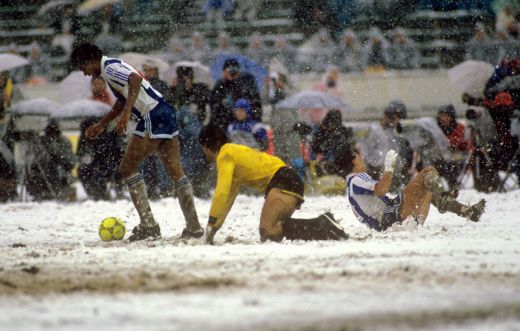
(237, 166)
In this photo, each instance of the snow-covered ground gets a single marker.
(450, 274)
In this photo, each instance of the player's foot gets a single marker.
(142, 232)
(474, 212)
(187, 234)
(445, 199)
(331, 227)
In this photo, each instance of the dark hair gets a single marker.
(213, 137)
(450, 111)
(84, 53)
(231, 65)
(344, 160)
(184, 72)
(333, 119)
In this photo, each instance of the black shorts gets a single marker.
(287, 180)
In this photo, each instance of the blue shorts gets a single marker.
(158, 123)
(391, 213)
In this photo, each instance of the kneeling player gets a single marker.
(375, 209)
(239, 165)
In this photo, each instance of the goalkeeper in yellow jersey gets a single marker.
(239, 165)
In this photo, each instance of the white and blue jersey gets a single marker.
(370, 209)
(155, 117)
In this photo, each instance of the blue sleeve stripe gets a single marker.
(361, 190)
(121, 76)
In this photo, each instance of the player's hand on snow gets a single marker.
(390, 160)
(210, 234)
(94, 131)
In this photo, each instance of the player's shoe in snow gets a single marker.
(142, 232)
(331, 227)
(474, 212)
(187, 234)
(446, 197)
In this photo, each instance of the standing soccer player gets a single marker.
(239, 165)
(156, 132)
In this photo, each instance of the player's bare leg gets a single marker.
(415, 197)
(169, 152)
(278, 206)
(137, 149)
(428, 180)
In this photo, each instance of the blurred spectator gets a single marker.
(330, 142)
(7, 173)
(285, 140)
(176, 51)
(185, 92)
(284, 52)
(247, 9)
(100, 91)
(66, 26)
(481, 47)
(199, 49)
(235, 85)
(374, 55)
(158, 183)
(257, 50)
(37, 72)
(224, 45)
(384, 136)
(98, 160)
(318, 53)
(216, 10)
(348, 52)
(49, 172)
(505, 46)
(403, 52)
(330, 82)
(506, 21)
(244, 130)
(7, 90)
(450, 168)
(312, 15)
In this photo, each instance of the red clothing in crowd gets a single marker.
(456, 138)
(103, 97)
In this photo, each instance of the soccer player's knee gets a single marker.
(429, 170)
(270, 234)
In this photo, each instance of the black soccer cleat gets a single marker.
(187, 234)
(445, 199)
(474, 212)
(332, 228)
(141, 232)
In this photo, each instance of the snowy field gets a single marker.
(450, 274)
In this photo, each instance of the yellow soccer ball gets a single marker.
(111, 228)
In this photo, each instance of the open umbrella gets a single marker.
(53, 6)
(246, 65)
(88, 6)
(471, 76)
(10, 61)
(137, 60)
(312, 99)
(76, 86)
(81, 108)
(34, 106)
(201, 73)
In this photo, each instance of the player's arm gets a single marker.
(134, 87)
(383, 185)
(95, 130)
(223, 198)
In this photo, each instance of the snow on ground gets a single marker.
(449, 274)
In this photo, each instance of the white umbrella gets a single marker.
(76, 86)
(34, 106)
(90, 5)
(137, 60)
(81, 108)
(53, 5)
(10, 61)
(201, 73)
(471, 76)
(312, 99)
(430, 124)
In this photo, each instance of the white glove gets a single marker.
(390, 160)
(209, 235)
